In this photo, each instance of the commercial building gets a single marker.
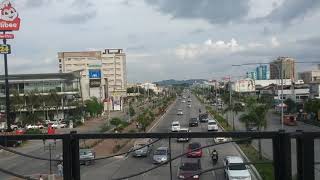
(52, 95)
(288, 68)
(251, 75)
(104, 74)
(310, 76)
(262, 72)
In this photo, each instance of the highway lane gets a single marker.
(130, 165)
(122, 166)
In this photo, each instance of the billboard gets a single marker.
(94, 73)
(245, 85)
(94, 82)
(9, 17)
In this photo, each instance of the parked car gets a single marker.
(183, 101)
(193, 150)
(212, 125)
(87, 156)
(34, 126)
(193, 122)
(189, 105)
(175, 126)
(58, 125)
(161, 155)
(252, 127)
(203, 117)
(189, 169)
(183, 139)
(189, 100)
(142, 152)
(234, 169)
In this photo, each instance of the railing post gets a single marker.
(282, 156)
(305, 157)
(75, 156)
(67, 168)
(170, 159)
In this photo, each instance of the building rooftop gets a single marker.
(71, 75)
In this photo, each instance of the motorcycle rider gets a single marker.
(214, 154)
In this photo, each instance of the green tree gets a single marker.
(132, 112)
(33, 103)
(54, 100)
(256, 115)
(17, 102)
(94, 107)
(312, 106)
(234, 109)
(115, 121)
(291, 105)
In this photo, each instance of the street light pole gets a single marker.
(281, 95)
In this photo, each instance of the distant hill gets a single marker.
(176, 82)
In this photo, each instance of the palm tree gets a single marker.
(54, 100)
(256, 115)
(33, 102)
(17, 102)
(234, 109)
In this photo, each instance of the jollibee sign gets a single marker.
(9, 17)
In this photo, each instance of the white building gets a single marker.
(151, 86)
(104, 74)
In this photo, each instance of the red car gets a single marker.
(192, 152)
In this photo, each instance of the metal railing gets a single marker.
(281, 143)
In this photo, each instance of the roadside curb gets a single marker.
(252, 167)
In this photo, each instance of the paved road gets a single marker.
(130, 165)
(273, 124)
(122, 166)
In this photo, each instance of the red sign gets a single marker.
(6, 36)
(9, 17)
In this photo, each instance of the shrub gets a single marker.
(34, 131)
(105, 128)
(116, 121)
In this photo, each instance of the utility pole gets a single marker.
(281, 94)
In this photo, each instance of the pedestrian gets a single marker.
(137, 125)
(40, 177)
(60, 169)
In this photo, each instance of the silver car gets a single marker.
(144, 151)
(161, 155)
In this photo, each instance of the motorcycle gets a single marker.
(214, 156)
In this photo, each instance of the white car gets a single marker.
(189, 105)
(235, 169)
(58, 125)
(212, 125)
(175, 126)
(183, 101)
(180, 139)
(179, 112)
(34, 126)
(220, 139)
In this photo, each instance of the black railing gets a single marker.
(281, 142)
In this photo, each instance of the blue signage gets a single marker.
(96, 73)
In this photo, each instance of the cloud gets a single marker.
(36, 3)
(213, 11)
(208, 47)
(291, 10)
(275, 42)
(82, 3)
(78, 18)
(311, 41)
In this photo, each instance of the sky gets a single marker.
(168, 39)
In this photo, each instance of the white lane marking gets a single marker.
(165, 114)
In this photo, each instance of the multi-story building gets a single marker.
(310, 76)
(104, 74)
(262, 72)
(288, 68)
(251, 75)
(54, 95)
